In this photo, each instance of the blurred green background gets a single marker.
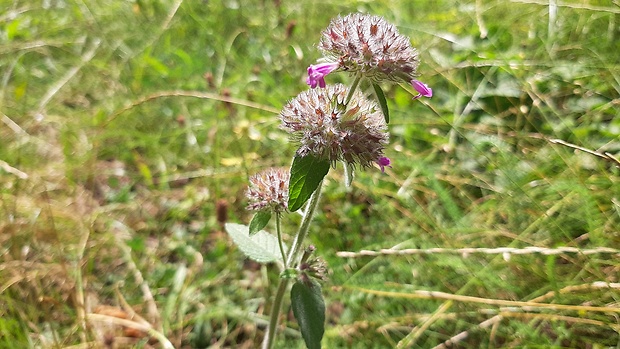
(129, 129)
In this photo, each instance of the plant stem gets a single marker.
(275, 314)
(279, 232)
(291, 261)
(304, 226)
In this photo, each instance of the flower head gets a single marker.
(268, 190)
(315, 268)
(327, 129)
(371, 46)
(422, 88)
(316, 74)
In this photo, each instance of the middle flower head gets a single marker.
(328, 129)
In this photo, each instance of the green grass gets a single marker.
(120, 162)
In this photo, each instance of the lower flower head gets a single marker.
(268, 190)
(326, 128)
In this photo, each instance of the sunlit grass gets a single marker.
(128, 132)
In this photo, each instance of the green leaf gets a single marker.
(306, 174)
(261, 247)
(309, 310)
(259, 221)
(348, 173)
(382, 102)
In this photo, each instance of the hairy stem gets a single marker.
(291, 261)
(275, 314)
(279, 232)
(304, 226)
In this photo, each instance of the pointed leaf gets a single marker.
(306, 174)
(309, 310)
(261, 247)
(259, 221)
(382, 102)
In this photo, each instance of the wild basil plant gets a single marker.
(330, 124)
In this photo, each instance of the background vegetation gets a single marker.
(129, 129)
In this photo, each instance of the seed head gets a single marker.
(268, 190)
(324, 127)
(371, 46)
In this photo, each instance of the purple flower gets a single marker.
(422, 88)
(384, 162)
(316, 73)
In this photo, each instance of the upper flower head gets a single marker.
(268, 190)
(371, 46)
(328, 129)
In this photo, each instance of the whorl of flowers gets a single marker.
(324, 127)
(268, 190)
(371, 46)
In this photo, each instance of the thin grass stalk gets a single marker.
(160, 337)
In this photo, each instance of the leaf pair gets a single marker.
(307, 301)
(308, 305)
